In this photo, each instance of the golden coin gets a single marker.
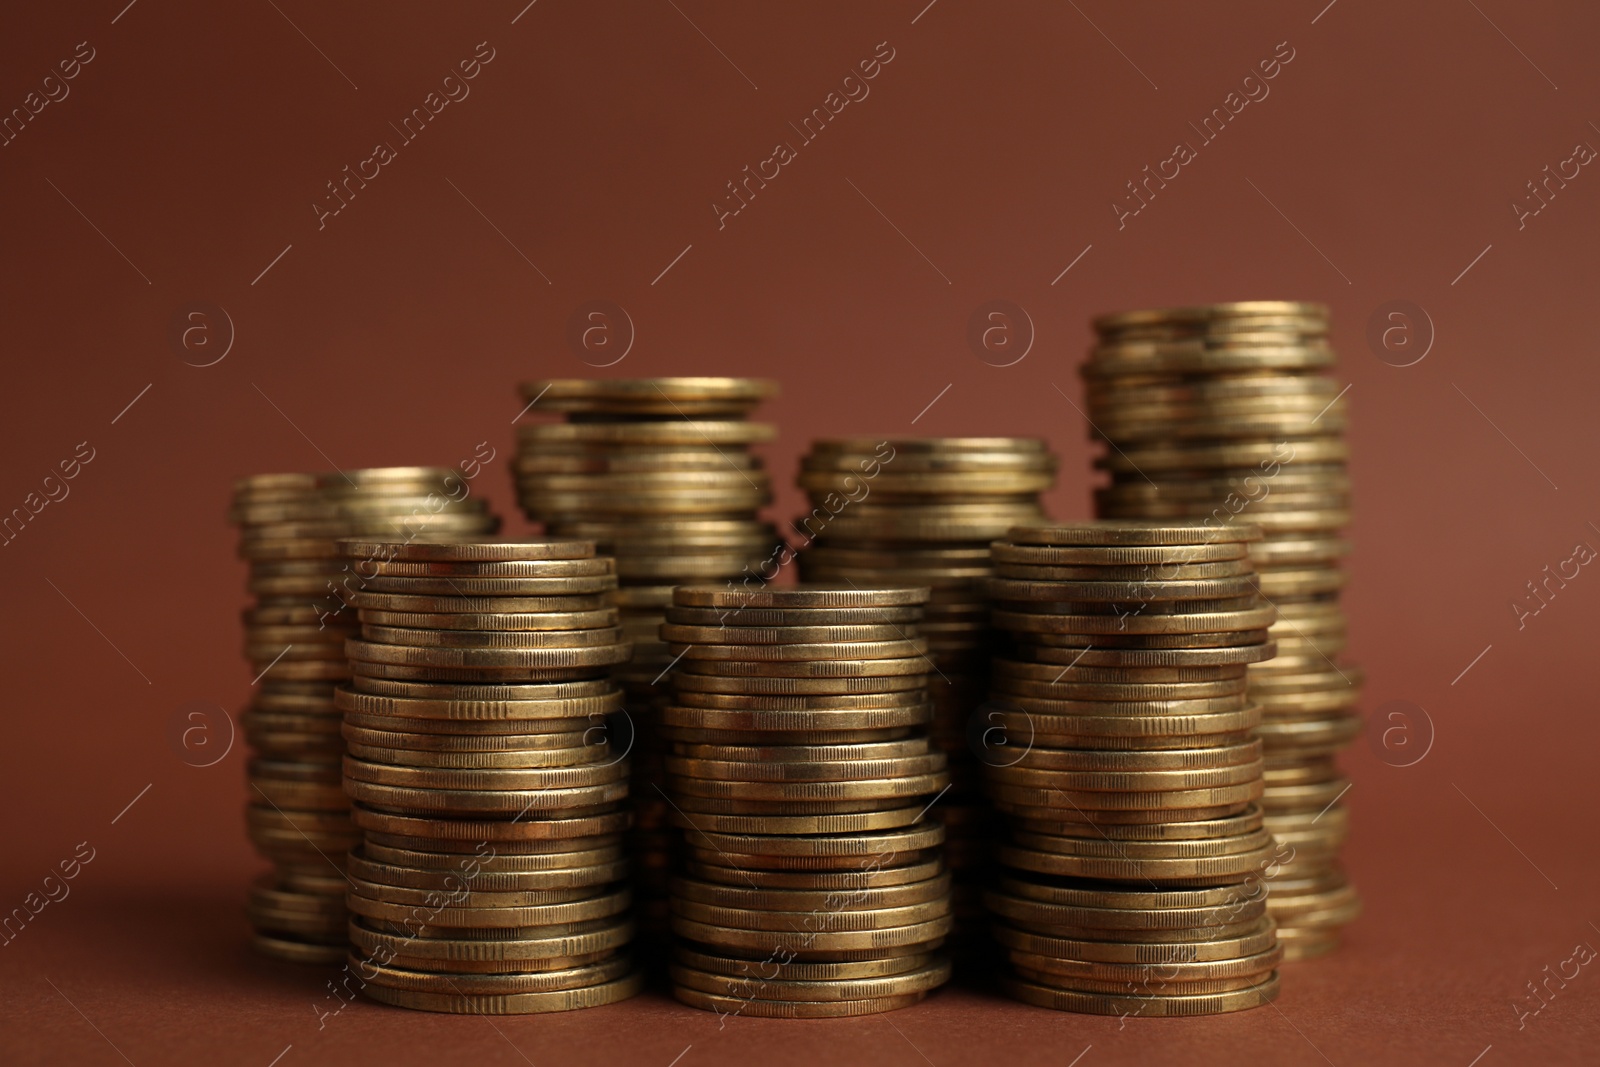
(480, 984)
(1129, 532)
(787, 652)
(780, 1009)
(1209, 622)
(854, 898)
(840, 823)
(772, 969)
(566, 941)
(1259, 938)
(828, 720)
(778, 685)
(515, 639)
(796, 770)
(490, 658)
(830, 991)
(910, 785)
(743, 635)
(915, 664)
(511, 1003)
(443, 916)
(493, 830)
(479, 801)
(475, 587)
(783, 618)
(457, 604)
(875, 843)
(818, 880)
(1168, 1005)
(804, 942)
(1005, 688)
(589, 774)
(807, 596)
(566, 701)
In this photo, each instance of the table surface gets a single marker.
(156, 969)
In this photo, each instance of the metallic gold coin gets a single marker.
(780, 1009)
(1166, 1005)
(448, 917)
(457, 604)
(853, 898)
(473, 587)
(784, 618)
(1136, 624)
(1126, 532)
(829, 992)
(841, 823)
(560, 828)
(795, 970)
(1259, 938)
(480, 801)
(1080, 761)
(490, 984)
(789, 652)
(740, 635)
(1141, 659)
(807, 596)
(489, 780)
(510, 1003)
(879, 844)
(515, 639)
(826, 720)
(491, 658)
(676, 432)
(853, 878)
(1136, 592)
(1005, 688)
(777, 685)
(912, 663)
(909, 785)
(806, 944)
(794, 770)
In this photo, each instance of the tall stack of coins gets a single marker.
(922, 512)
(490, 876)
(298, 816)
(657, 472)
(1132, 881)
(802, 773)
(1227, 413)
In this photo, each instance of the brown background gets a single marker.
(596, 141)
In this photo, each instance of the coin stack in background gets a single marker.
(801, 772)
(298, 816)
(1132, 882)
(922, 512)
(490, 878)
(657, 472)
(1227, 413)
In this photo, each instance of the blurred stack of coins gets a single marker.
(298, 817)
(658, 473)
(922, 512)
(1133, 882)
(1227, 413)
(802, 773)
(490, 878)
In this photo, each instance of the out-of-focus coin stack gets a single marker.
(1133, 881)
(491, 874)
(1227, 412)
(298, 816)
(801, 773)
(658, 473)
(922, 511)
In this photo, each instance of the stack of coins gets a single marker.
(922, 512)
(492, 804)
(298, 816)
(658, 473)
(1137, 855)
(1227, 413)
(802, 773)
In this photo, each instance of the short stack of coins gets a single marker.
(1133, 879)
(922, 511)
(658, 473)
(298, 816)
(491, 874)
(801, 773)
(1227, 412)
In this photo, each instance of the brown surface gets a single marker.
(596, 140)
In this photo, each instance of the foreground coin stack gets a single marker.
(1133, 878)
(801, 773)
(657, 472)
(298, 815)
(490, 875)
(922, 512)
(1226, 412)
